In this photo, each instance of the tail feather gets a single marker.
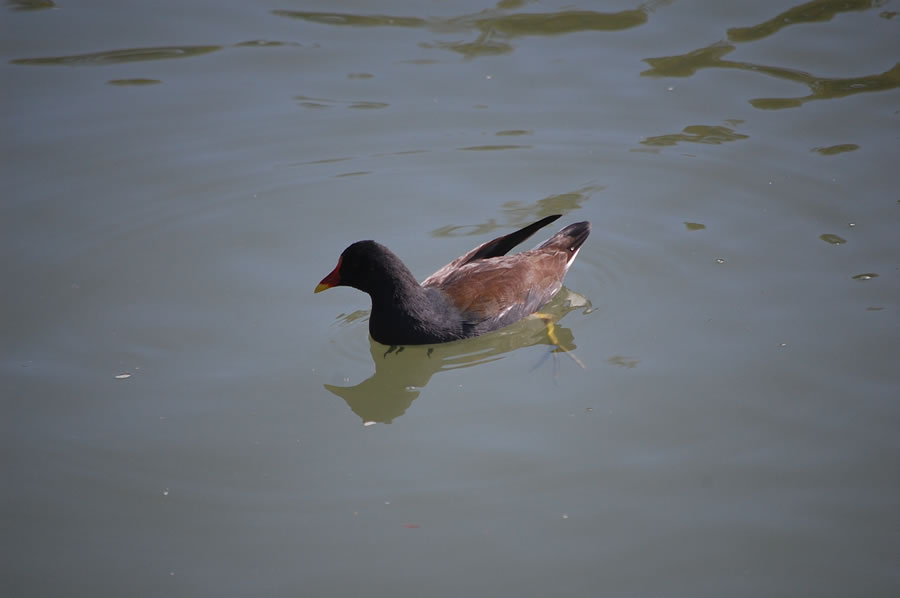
(569, 239)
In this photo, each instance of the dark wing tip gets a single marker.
(502, 245)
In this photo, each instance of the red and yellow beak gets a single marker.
(332, 280)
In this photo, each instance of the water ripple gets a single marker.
(493, 26)
(316, 103)
(133, 82)
(817, 11)
(714, 135)
(119, 56)
(519, 213)
(24, 5)
(821, 88)
(832, 150)
(490, 148)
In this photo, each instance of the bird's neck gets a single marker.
(403, 298)
(406, 313)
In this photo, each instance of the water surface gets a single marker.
(184, 417)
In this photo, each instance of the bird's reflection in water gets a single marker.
(402, 372)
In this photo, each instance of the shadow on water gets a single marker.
(402, 372)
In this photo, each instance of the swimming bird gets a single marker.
(478, 292)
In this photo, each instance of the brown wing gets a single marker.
(491, 249)
(499, 291)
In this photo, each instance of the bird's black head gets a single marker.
(367, 266)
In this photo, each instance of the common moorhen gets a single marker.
(480, 291)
